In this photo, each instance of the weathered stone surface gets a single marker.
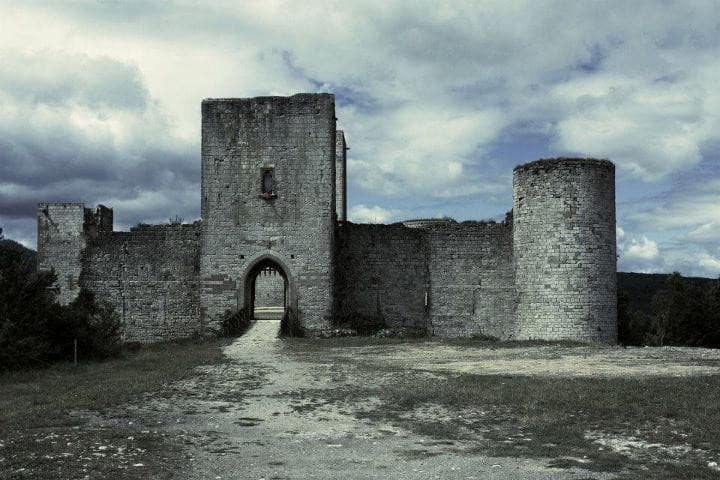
(150, 276)
(564, 249)
(340, 176)
(471, 279)
(294, 228)
(382, 274)
(546, 272)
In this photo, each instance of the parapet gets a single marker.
(559, 162)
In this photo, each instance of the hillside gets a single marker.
(10, 249)
(641, 287)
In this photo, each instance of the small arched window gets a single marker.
(268, 183)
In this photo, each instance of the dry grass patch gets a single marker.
(52, 423)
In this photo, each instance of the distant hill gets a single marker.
(10, 249)
(641, 287)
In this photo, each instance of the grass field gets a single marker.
(649, 413)
(653, 426)
(47, 428)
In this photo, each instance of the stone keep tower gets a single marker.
(268, 200)
(564, 250)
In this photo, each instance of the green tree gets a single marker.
(36, 330)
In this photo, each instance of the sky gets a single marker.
(100, 103)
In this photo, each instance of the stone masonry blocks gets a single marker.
(546, 272)
(564, 250)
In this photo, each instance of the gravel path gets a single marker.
(251, 419)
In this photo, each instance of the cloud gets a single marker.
(648, 129)
(436, 99)
(637, 253)
(374, 214)
(81, 128)
(643, 249)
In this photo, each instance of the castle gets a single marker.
(274, 197)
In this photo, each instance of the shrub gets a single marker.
(236, 322)
(364, 324)
(94, 325)
(35, 330)
(290, 326)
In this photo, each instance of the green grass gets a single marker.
(548, 417)
(42, 435)
(540, 416)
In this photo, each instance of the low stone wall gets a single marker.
(151, 276)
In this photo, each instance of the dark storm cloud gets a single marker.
(83, 129)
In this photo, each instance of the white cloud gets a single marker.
(638, 253)
(642, 249)
(375, 214)
(710, 263)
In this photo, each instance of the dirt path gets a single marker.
(261, 416)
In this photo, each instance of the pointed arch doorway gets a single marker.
(259, 269)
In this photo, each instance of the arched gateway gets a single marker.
(248, 293)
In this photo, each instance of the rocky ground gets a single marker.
(294, 409)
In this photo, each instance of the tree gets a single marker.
(36, 330)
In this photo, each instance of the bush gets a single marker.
(362, 323)
(236, 323)
(95, 326)
(681, 313)
(35, 330)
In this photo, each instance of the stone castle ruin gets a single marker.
(274, 200)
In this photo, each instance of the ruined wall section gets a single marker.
(151, 276)
(382, 273)
(340, 176)
(63, 231)
(471, 279)
(564, 249)
(61, 240)
(295, 138)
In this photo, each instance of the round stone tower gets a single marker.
(564, 250)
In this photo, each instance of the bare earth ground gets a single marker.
(293, 409)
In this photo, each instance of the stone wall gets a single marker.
(564, 249)
(151, 276)
(294, 228)
(61, 239)
(382, 273)
(63, 229)
(269, 289)
(471, 279)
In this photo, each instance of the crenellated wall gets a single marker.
(269, 289)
